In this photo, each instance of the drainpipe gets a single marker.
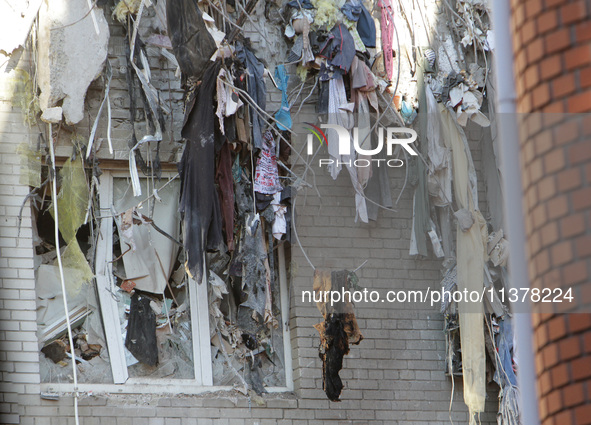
(511, 177)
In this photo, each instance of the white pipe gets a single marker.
(511, 176)
(61, 269)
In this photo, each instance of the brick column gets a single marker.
(551, 40)
(19, 353)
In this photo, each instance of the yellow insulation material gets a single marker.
(30, 169)
(328, 13)
(126, 7)
(78, 272)
(72, 199)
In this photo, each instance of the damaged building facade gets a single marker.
(157, 172)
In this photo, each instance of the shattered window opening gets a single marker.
(77, 249)
(180, 352)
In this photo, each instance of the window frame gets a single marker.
(198, 301)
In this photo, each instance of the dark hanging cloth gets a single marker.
(351, 11)
(141, 331)
(225, 184)
(322, 105)
(262, 201)
(338, 329)
(256, 89)
(335, 347)
(366, 27)
(199, 203)
(192, 44)
(340, 48)
(323, 90)
(318, 40)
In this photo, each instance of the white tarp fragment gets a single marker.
(439, 178)
(150, 264)
(280, 224)
(71, 54)
(471, 256)
(50, 306)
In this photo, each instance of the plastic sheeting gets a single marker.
(471, 255)
(192, 44)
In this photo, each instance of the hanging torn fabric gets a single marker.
(338, 329)
(366, 27)
(266, 179)
(339, 49)
(420, 223)
(192, 44)
(252, 256)
(439, 154)
(279, 224)
(387, 28)
(282, 115)
(471, 257)
(360, 24)
(225, 182)
(199, 203)
(340, 112)
(257, 90)
(228, 100)
(141, 330)
(363, 95)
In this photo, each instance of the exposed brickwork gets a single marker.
(551, 40)
(19, 354)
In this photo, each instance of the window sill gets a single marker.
(144, 386)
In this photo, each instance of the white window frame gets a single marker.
(198, 300)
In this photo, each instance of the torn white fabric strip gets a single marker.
(98, 115)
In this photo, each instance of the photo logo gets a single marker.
(317, 132)
(344, 144)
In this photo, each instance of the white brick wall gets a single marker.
(18, 346)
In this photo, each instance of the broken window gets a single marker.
(76, 241)
(142, 319)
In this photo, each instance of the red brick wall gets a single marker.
(552, 47)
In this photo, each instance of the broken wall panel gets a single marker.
(149, 254)
(72, 50)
